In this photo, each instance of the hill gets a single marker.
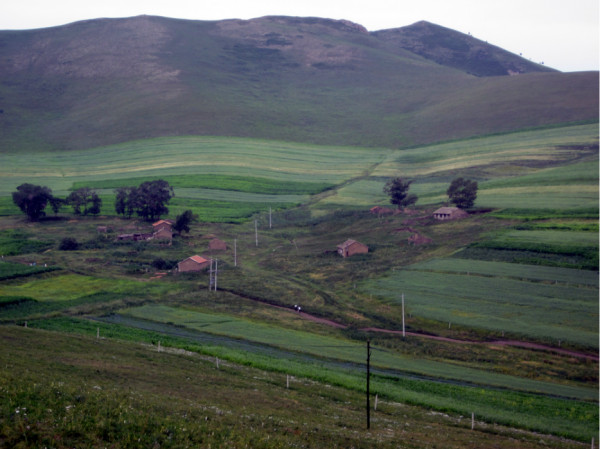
(313, 80)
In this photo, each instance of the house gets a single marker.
(378, 210)
(164, 233)
(217, 245)
(136, 237)
(418, 239)
(161, 224)
(194, 263)
(351, 247)
(449, 213)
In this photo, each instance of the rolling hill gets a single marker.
(107, 81)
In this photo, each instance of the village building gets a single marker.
(378, 210)
(163, 224)
(217, 245)
(449, 213)
(351, 247)
(194, 263)
(418, 239)
(163, 233)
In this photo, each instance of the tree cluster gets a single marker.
(397, 189)
(462, 192)
(32, 200)
(84, 201)
(148, 200)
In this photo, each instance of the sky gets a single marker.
(562, 34)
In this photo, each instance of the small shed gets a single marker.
(351, 247)
(194, 263)
(217, 245)
(449, 213)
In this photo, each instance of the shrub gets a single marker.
(68, 244)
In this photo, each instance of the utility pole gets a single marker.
(235, 252)
(403, 327)
(210, 275)
(368, 383)
(256, 232)
(216, 272)
(270, 217)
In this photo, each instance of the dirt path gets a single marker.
(516, 343)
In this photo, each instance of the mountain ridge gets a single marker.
(326, 81)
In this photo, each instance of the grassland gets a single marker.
(128, 395)
(522, 271)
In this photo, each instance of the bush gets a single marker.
(68, 244)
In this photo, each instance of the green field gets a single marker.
(546, 303)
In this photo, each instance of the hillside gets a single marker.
(108, 81)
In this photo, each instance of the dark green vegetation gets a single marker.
(110, 81)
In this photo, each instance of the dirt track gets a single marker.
(521, 344)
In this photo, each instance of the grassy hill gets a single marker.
(330, 82)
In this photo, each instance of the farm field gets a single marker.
(522, 267)
(499, 296)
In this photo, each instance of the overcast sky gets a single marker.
(562, 34)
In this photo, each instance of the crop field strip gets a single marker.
(335, 348)
(493, 296)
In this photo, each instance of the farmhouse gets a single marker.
(194, 263)
(449, 213)
(162, 224)
(164, 233)
(378, 210)
(351, 247)
(217, 245)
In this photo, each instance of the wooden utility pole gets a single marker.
(256, 232)
(270, 217)
(368, 384)
(403, 328)
(216, 272)
(235, 252)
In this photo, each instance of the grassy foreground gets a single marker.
(102, 392)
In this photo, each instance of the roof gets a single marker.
(347, 243)
(197, 259)
(447, 210)
(161, 222)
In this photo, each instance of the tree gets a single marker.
(148, 200)
(462, 192)
(151, 198)
(86, 198)
(125, 201)
(397, 189)
(182, 221)
(32, 200)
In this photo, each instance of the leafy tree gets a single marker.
(462, 192)
(183, 221)
(32, 200)
(397, 189)
(86, 198)
(149, 200)
(125, 201)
